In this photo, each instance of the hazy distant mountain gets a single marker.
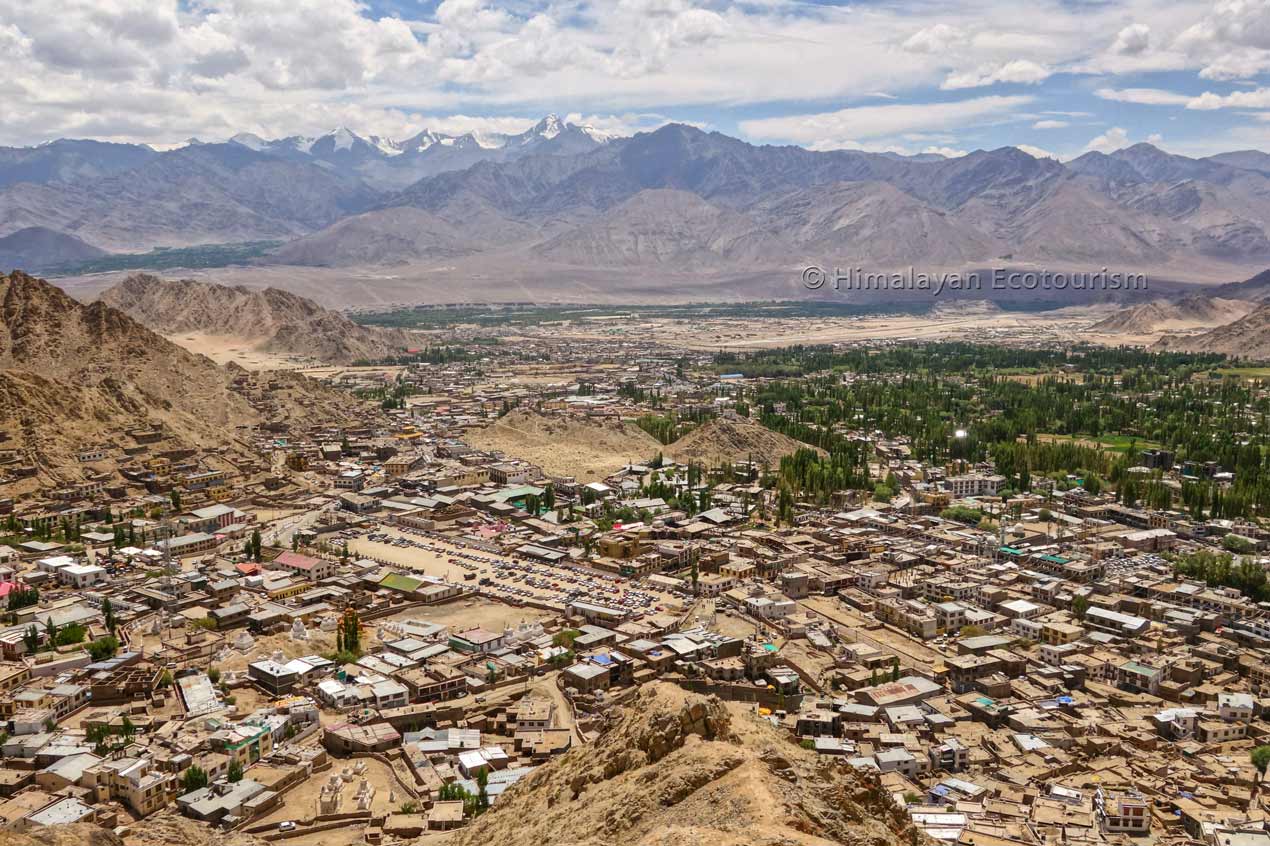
(1193, 312)
(1246, 338)
(389, 236)
(1246, 159)
(788, 205)
(392, 165)
(565, 196)
(36, 248)
(67, 160)
(206, 193)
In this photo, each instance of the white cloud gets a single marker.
(624, 124)
(1258, 98)
(1049, 124)
(1133, 40)
(1232, 40)
(162, 70)
(1110, 141)
(848, 127)
(1036, 152)
(937, 39)
(1144, 96)
(1019, 70)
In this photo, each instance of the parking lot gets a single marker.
(511, 578)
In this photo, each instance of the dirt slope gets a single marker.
(169, 828)
(268, 319)
(679, 769)
(1246, 338)
(74, 376)
(725, 440)
(1193, 312)
(587, 449)
(75, 834)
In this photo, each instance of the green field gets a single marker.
(1107, 443)
(1244, 372)
(167, 258)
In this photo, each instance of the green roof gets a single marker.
(518, 493)
(396, 581)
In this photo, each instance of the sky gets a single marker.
(1054, 78)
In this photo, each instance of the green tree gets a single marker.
(1260, 758)
(195, 778)
(235, 772)
(103, 648)
(108, 612)
(72, 634)
(1079, 606)
(482, 782)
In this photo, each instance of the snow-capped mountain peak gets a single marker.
(421, 142)
(250, 140)
(385, 145)
(488, 140)
(599, 136)
(344, 139)
(544, 130)
(387, 164)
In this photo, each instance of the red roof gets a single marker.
(248, 568)
(296, 560)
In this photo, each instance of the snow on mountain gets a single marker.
(597, 135)
(384, 145)
(549, 127)
(488, 140)
(387, 164)
(344, 139)
(250, 141)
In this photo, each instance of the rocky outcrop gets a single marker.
(680, 769)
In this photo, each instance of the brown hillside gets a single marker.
(680, 769)
(169, 828)
(75, 834)
(1193, 312)
(74, 376)
(1246, 338)
(585, 448)
(267, 319)
(724, 440)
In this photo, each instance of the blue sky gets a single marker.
(1056, 78)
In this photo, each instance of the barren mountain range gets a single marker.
(266, 319)
(1246, 338)
(1195, 311)
(75, 376)
(569, 200)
